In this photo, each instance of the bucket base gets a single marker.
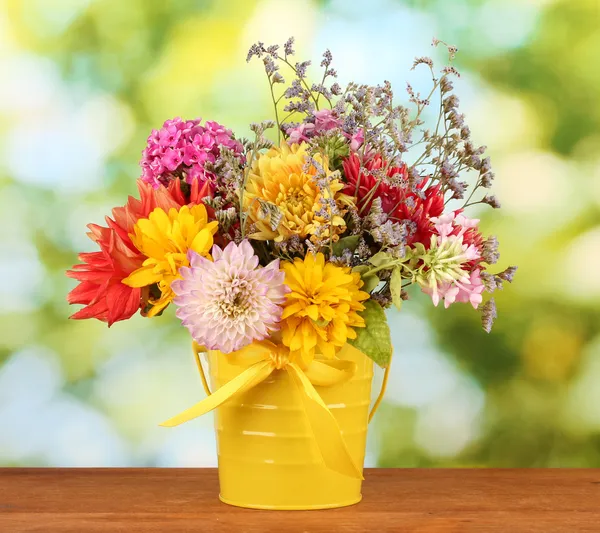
(291, 507)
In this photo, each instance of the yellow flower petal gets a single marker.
(280, 178)
(312, 311)
(321, 312)
(202, 242)
(293, 309)
(165, 238)
(142, 277)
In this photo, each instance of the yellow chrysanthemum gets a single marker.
(165, 239)
(280, 178)
(322, 308)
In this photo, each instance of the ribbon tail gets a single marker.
(249, 378)
(324, 426)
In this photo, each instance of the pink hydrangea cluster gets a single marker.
(181, 148)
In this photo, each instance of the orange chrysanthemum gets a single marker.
(282, 179)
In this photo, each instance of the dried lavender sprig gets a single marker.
(488, 315)
(391, 135)
(253, 148)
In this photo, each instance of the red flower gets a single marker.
(419, 212)
(400, 203)
(197, 190)
(101, 273)
(124, 218)
(360, 184)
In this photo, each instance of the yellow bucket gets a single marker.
(268, 458)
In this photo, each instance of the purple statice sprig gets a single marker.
(368, 117)
(253, 149)
(366, 122)
(300, 96)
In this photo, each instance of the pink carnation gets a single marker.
(468, 290)
(461, 234)
(325, 120)
(300, 133)
(181, 148)
(357, 140)
(458, 225)
(231, 301)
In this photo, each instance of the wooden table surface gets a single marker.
(403, 500)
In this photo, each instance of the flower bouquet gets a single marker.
(281, 254)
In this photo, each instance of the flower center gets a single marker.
(295, 197)
(236, 299)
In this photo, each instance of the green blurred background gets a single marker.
(83, 82)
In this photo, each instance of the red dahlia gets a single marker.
(100, 274)
(400, 203)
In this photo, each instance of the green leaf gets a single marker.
(380, 259)
(346, 243)
(361, 269)
(371, 281)
(396, 287)
(374, 340)
(419, 250)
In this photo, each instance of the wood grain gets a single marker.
(402, 500)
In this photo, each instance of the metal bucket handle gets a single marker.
(198, 350)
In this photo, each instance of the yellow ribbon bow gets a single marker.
(263, 358)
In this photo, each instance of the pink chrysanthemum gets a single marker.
(181, 148)
(231, 301)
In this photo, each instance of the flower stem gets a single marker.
(243, 216)
(387, 266)
(276, 111)
(302, 80)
